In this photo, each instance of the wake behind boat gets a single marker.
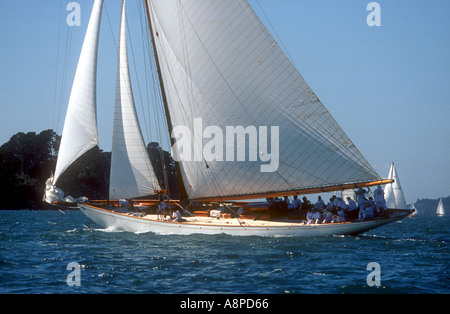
(243, 125)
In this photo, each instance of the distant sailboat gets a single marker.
(415, 212)
(440, 211)
(393, 192)
(219, 65)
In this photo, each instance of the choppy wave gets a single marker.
(36, 247)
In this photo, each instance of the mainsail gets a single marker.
(80, 127)
(393, 192)
(221, 66)
(132, 174)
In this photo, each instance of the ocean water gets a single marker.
(37, 246)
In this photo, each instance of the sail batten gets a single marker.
(132, 174)
(220, 65)
(80, 132)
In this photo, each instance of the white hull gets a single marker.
(123, 222)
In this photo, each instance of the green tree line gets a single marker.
(28, 159)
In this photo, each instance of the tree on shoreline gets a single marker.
(28, 159)
(24, 162)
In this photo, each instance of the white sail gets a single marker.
(221, 66)
(348, 193)
(393, 192)
(80, 127)
(440, 209)
(415, 211)
(132, 174)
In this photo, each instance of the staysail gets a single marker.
(393, 192)
(132, 174)
(80, 128)
(223, 72)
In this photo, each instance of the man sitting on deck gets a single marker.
(306, 204)
(314, 216)
(341, 214)
(177, 216)
(320, 203)
(296, 204)
(367, 212)
(380, 201)
(361, 197)
(318, 217)
(327, 217)
(352, 209)
(162, 207)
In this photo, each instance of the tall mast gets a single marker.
(182, 190)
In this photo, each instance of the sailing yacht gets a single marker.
(414, 209)
(393, 191)
(220, 72)
(440, 211)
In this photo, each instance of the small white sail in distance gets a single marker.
(132, 174)
(393, 192)
(440, 211)
(415, 209)
(80, 128)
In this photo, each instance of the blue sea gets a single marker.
(36, 248)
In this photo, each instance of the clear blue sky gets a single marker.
(388, 86)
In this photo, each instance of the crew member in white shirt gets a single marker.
(310, 217)
(361, 197)
(327, 217)
(317, 216)
(177, 216)
(367, 213)
(379, 198)
(351, 204)
(320, 203)
(296, 204)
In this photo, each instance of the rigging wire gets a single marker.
(190, 88)
(158, 110)
(55, 109)
(276, 33)
(138, 84)
(61, 81)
